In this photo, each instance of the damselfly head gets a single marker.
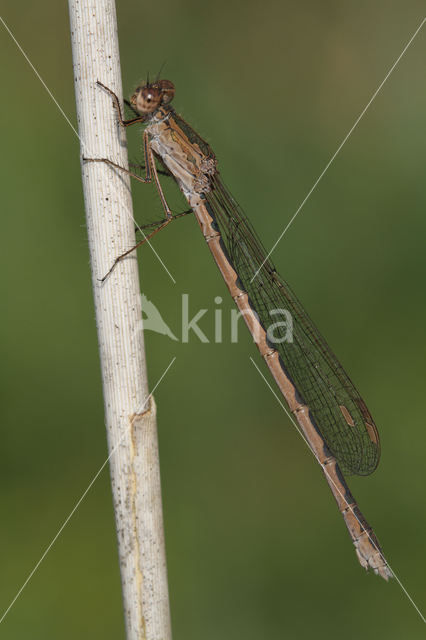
(149, 97)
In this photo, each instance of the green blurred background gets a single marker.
(256, 547)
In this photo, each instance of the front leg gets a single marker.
(124, 123)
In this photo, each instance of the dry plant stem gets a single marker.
(130, 413)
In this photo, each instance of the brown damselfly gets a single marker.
(331, 414)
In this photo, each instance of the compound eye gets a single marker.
(150, 98)
(146, 99)
(167, 90)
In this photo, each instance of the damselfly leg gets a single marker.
(161, 172)
(158, 223)
(151, 174)
(124, 123)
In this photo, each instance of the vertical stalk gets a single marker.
(129, 411)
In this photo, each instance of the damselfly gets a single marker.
(332, 415)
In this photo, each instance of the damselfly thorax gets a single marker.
(186, 161)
